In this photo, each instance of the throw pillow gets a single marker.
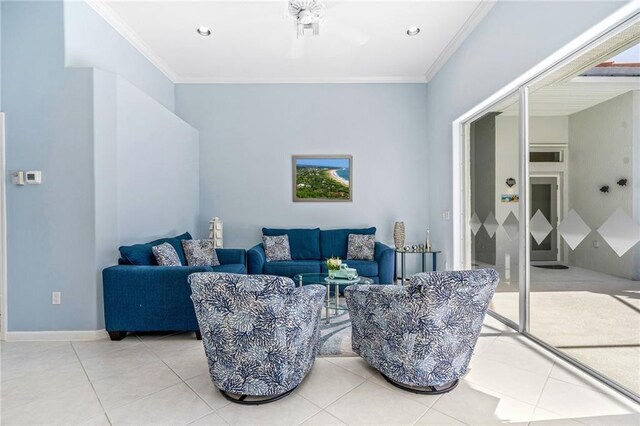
(361, 247)
(277, 247)
(200, 253)
(166, 255)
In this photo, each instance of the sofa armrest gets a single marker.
(232, 256)
(385, 256)
(256, 260)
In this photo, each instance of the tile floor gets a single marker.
(164, 380)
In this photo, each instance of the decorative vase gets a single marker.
(398, 235)
(427, 244)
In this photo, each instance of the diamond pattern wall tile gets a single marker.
(475, 224)
(510, 226)
(620, 232)
(539, 227)
(491, 224)
(573, 229)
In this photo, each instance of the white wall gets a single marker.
(601, 141)
(511, 39)
(248, 134)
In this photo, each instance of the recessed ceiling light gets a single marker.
(413, 31)
(204, 31)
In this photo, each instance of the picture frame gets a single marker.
(322, 178)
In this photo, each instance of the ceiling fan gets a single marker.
(307, 14)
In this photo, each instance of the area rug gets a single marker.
(335, 337)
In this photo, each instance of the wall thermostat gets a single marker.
(33, 177)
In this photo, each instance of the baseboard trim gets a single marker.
(53, 336)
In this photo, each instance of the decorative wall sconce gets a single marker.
(510, 182)
(622, 182)
(604, 188)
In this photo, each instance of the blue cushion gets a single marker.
(289, 268)
(304, 243)
(141, 254)
(365, 268)
(334, 242)
(232, 268)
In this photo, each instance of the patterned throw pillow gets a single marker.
(361, 247)
(276, 248)
(200, 253)
(166, 255)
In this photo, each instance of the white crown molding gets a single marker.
(55, 336)
(470, 24)
(305, 80)
(112, 18)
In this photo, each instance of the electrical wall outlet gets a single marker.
(56, 298)
(446, 215)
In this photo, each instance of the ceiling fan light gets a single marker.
(413, 31)
(204, 31)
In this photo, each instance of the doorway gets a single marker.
(3, 236)
(544, 200)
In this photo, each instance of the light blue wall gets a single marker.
(48, 128)
(91, 42)
(114, 162)
(157, 169)
(511, 39)
(248, 134)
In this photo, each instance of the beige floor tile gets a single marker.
(126, 387)
(355, 364)
(210, 420)
(426, 400)
(326, 382)
(187, 364)
(41, 384)
(119, 362)
(520, 356)
(435, 417)
(571, 401)
(203, 386)
(173, 343)
(68, 407)
(546, 417)
(505, 379)
(614, 420)
(472, 404)
(370, 403)
(323, 419)
(291, 410)
(175, 405)
(100, 420)
(18, 363)
(86, 350)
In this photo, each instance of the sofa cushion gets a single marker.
(232, 268)
(304, 243)
(200, 253)
(361, 247)
(142, 254)
(276, 247)
(166, 255)
(333, 242)
(365, 268)
(289, 268)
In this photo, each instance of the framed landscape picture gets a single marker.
(322, 178)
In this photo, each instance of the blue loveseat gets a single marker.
(310, 248)
(139, 295)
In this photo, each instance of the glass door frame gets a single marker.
(619, 21)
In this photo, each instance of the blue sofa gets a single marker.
(139, 295)
(310, 248)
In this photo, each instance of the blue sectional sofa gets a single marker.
(139, 295)
(310, 248)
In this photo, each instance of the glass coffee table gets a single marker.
(336, 283)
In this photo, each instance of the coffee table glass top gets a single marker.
(313, 278)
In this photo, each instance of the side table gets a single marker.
(423, 253)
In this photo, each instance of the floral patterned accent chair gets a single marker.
(420, 337)
(260, 332)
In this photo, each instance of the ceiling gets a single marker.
(254, 42)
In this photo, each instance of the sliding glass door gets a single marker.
(563, 155)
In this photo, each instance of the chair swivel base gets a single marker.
(255, 400)
(424, 390)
